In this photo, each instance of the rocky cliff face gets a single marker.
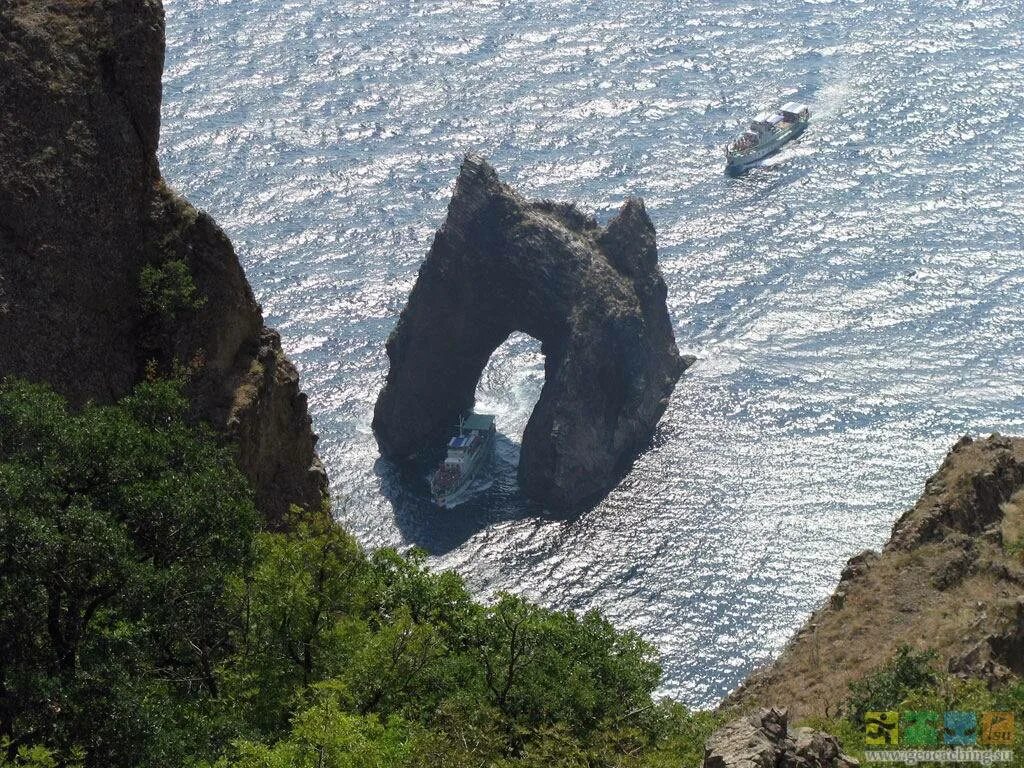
(593, 297)
(950, 579)
(764, 739)
(86, 221)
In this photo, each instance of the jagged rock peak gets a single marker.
(592, 296)
(478, 182)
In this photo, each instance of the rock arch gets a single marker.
(592, 296)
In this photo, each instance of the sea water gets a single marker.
(854, 304)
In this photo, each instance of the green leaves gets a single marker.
(907, 671)
(168, 290)
(545, 667)
(118, 527)
(35, 757)
(146, 620)
(325, 736)
(509, 681)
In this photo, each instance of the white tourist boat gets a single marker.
(766, 134)
(468, 453)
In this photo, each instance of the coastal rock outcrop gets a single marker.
(765, 740)
(950, 579)
(595, 299)
(105, 273)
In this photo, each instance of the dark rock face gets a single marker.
(83, 211)
(593, 297)
(764, 740)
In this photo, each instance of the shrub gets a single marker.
(168, 290)
(907, 671)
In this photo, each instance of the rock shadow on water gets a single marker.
(496, 499)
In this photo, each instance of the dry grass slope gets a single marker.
(951, 579)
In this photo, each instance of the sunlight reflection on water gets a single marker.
(854, 305)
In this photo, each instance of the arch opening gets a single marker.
(511, 383)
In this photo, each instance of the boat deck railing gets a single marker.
(741, 152)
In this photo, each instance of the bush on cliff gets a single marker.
(907, 671)
(145, 620)
(167, 290)
(912, 682)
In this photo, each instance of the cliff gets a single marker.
(950, 579)
(592, 296)
(105, 273)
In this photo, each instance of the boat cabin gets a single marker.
(478, 422)
(472, 430)
(458, 446)
(794, 111)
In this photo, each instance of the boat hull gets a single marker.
(739, 163)
(460, 493)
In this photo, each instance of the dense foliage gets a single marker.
(907, 671)
(146, 620)
(168, 290)
(118, 529)
(911, 682)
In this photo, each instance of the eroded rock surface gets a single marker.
(592, 296)
(83, 210)
(765, 740)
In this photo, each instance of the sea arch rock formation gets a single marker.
(595, 299)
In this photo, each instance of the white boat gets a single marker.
(766, 134)
(468, 452)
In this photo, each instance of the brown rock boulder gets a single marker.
(764, 740)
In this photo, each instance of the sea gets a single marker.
(854, 302)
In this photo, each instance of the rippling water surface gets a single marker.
(855, 304)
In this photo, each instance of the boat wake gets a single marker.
(784, 155)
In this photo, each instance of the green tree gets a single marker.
(544, 667)
(167, 290)
(119, 526)
(325, 736)
(301, 605)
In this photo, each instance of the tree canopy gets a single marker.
(146, 619)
